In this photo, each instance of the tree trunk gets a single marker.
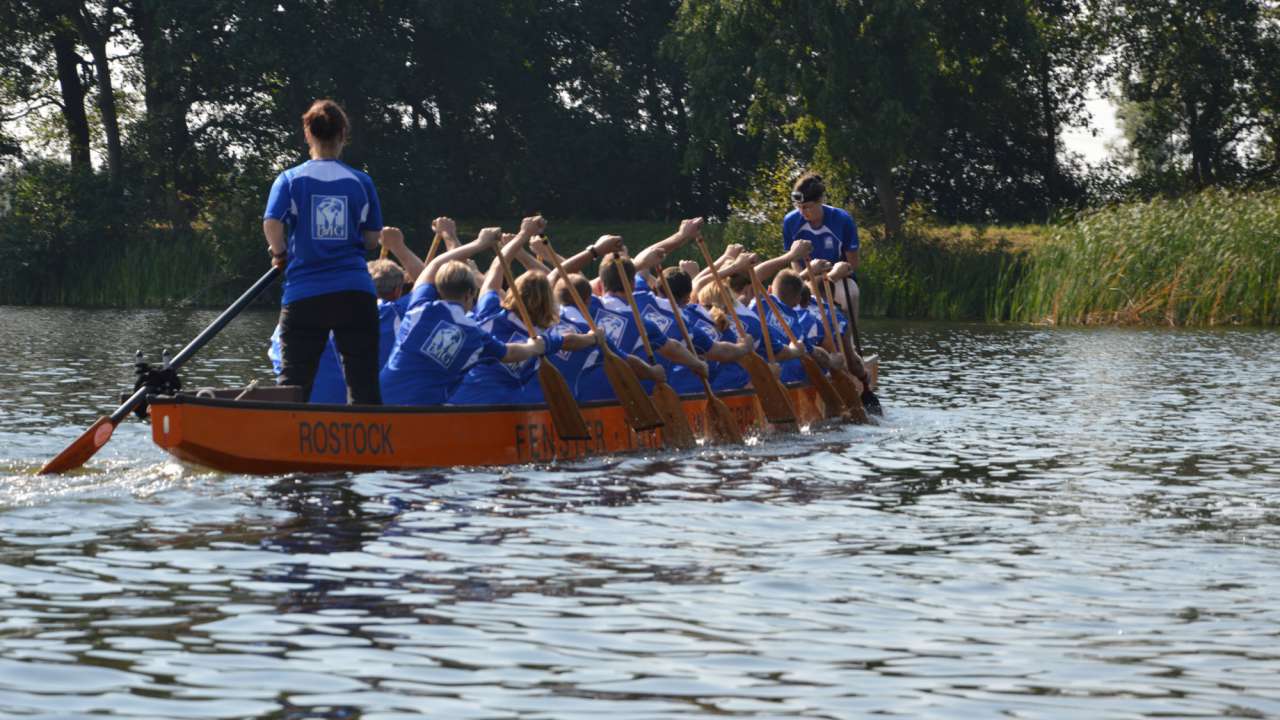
(888, 195)
(1049, 126)
(167, 137)
(68, 62)
(96, 41)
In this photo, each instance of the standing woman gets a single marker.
(329, 216)
(832, 231)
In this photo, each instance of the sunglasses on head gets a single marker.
(798, 197)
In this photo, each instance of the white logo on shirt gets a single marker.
(656, 316)
(711, 330)
(329, 217)
(612, 326)
(444, 344)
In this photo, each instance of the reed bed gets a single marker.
(1208, 259)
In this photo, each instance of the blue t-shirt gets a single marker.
(684, 380)
(724, 376)
(656, 310)
(572, 365)
(837, 235)
(325, 206)
(792, 370)
(492, 382)
(751, 323)
(435, 346)
(330, 385)
(613, 318)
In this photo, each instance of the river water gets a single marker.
(1050, 523)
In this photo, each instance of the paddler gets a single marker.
(438, 341)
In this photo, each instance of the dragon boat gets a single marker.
(266, 431)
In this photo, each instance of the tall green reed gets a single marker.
(1207, 259)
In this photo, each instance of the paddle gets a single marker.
(675, 430)
(722, 427)
(833, 405)
(88, 444)
(773, 397)
(639, 410)
(840, 377)
(565, 414)
(870, 402)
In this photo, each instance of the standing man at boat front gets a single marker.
(832, 231)
(330, 215)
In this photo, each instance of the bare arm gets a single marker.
(726, 352)
(493, 278)
(799, 251)
(487, 238)
(579, 341)
(393, 240)
(646, 371)
(678, 353)
(598, 249)
(652, 255)
(851, 257)
(274, 231)
(521, 351)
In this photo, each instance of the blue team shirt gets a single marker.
(684, 380)
(837, 235)
(751, 323)
(436, 344)
(792, 370)
(572, 365)
(613, 318)
(325, 206)
(724, 376)
(492, 382)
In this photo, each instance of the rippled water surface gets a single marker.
(1050, 523)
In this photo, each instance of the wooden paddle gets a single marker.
(92, 440)
(721, 426)
(867, 398)
(639, 409)
(774, 398)
(675, 429)
(849, 387)
(832, 404)
(565, 414)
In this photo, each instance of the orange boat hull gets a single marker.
(263, 438)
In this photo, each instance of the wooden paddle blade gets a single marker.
(565, 415)
(675, 429)
(773, 397)
(851, 391)
(832, 404)
(636, 405)
(84, 447)
(721, 425)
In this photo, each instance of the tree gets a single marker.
(1195, 79)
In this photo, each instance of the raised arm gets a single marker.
(799, 252)
(603, 245)
(392, 239)
(487, 238)
(652, 255)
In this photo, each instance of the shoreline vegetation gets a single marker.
(1209, 259)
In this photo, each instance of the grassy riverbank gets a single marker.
(1209, 259)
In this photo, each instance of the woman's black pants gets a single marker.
(352, 317)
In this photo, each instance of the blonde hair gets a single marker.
(454, 280)
(710, 298)
(535, 290)
(388, 278)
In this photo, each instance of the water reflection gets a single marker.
(1052, 523)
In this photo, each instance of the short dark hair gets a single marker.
(580, 283)
(680, 283)
(609, 273)
(810, 187)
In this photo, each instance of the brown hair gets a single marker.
(738, 281)
(710, 298)
(326, 122)
(388, 278)
(680, 283)
(788, 287)
(609, 273)
(454, 280)
(810, 186)
(580, 283)
(535, 290)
